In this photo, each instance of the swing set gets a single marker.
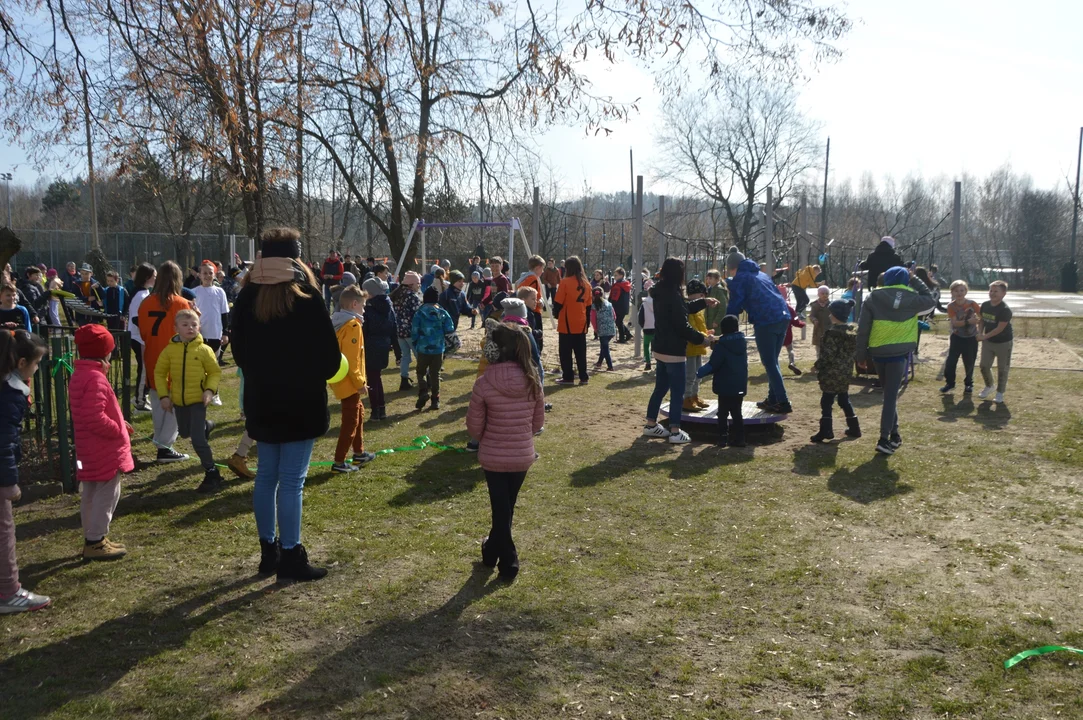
(420, 227)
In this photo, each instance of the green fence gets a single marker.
(49, 422)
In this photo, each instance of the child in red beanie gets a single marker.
(103, 449)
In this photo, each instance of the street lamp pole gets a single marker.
(7, 177)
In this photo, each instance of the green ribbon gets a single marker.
(1011, 662)
(419, 443)
(65, 362)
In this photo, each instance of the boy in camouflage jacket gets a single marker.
(835, 368)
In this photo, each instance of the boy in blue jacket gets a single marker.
(755, 293)
(729, 365)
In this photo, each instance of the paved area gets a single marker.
(1024, 304)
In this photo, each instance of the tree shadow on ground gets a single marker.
(810, 459)
(87, 665)
(441, 475)
(993, 415)
(871, 481)
(635, 381)
(408, 649)
(951, 411)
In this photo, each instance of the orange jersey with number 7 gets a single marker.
(574, 299)
(156, 328)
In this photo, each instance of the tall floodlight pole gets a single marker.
(823, 207)
(1075, 206)
(956, 233)
(7, 177)
(300, 146)
(661, 230)
(535, 222)
(769, 234)
(637, 260)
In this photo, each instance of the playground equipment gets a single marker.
(420, 227)
(709, 418)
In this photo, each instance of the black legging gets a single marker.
(801, 298)
(567, 345)
(141, 389)
(827, 400)
(503, 491)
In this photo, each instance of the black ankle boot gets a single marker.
(270, 552)
(488, 557)
(293, 565)
(405, 384)
(737, 434)
(853, 427)
(826, 431)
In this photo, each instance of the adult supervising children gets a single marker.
(753, 292)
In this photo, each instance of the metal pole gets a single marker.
(769, 235)
(423, 265)
(1075, 206)
(823, 207)
(511, 254)
(535, 222)
(300, 145)
(805, 246)
(637, 261)
(661, 230)
(956, 235)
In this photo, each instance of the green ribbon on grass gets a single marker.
(1045, 649)
(419, 443)
(65, 362)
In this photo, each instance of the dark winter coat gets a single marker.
(14, 401)
(753, 292)
(878, 262)
(835, 366)
(728, 365)
(286, 365)
(672, 333)
(380, 330)
(620, 295)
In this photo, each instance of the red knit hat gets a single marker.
(94, 342)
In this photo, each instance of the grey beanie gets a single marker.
(734, 258)
(374, 286)
(514, 306)
(348, 279)
(487, 273)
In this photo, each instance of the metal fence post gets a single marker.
(60, 382)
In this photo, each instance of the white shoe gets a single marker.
(216, 401)
(23, 601)
(655, 431)
(679, 438)
(999, 398)
(986, 392)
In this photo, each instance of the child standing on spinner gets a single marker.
(729, 366)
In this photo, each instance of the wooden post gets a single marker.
(535, 223)
(661, 231)
(769, 235)
(956, 235)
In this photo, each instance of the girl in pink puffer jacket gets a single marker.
(507, 409)
(103, 448)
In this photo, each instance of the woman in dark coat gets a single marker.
(285, 344)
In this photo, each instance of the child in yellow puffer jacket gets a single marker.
(350, 390)
(190, 370)
(694, 353)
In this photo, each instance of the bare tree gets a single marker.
(731, 148)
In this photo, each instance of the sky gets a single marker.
(931, 87)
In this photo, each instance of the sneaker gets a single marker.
(947, 389)
(986, 392)
(435, 403)
(421, 400)
(895, 440)
(679, 438)
(23, 601)
(104, 549)
(216, 401)
(998, 398)
(548, 407)
(212, 482)
(142, 407)
(765, 404)
(239, 466)
(967, 389)
(472, 446)
(794, 369)
(562, 381)
(647, 367)
(780, 408)
(655, 431)
(884, 447)
(169, 455)
(343, 467)
(363, 458)
(583, 382)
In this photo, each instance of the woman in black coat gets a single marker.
(284, 343)
(672, 333)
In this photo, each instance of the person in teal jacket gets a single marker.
(431, 323)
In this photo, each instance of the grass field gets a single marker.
(780, 580)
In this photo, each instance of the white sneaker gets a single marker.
(999, 398)
(655, 431)
(986, 392)
(216, 401)
(679, 438)
(23, 601)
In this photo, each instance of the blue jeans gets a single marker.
(603, 353)
(668, 376)
(279, 489)
(769, 340)
(404, 364)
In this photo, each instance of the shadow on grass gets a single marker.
(993, 415)
(676, 465)
(443, 417)
(403, 649)
(441, 475)
(635, 381)
(871, 481)
(951, 411)
(31, 575)
(812, 458)
(87, 665)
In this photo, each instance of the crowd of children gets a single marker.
(178, 340)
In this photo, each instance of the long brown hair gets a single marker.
(16, 345)
(168, 283)
(514, 344)
(276, 301)
(573, 266)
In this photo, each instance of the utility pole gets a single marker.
(1075, 206)
(823, 207)
(300, 145)
(7, 177)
